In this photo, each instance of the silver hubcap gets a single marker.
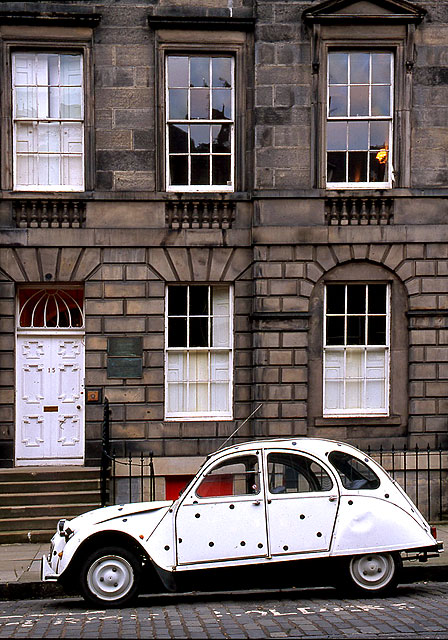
(372, 571)
(110, 577)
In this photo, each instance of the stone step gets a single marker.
(33, 474)
(54, 497)
(16, 537)
(51, 486)
(41, 517)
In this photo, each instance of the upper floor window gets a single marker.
(48, 121)
(198, 352)
(359, 119)
(356, 349)
(200, 122)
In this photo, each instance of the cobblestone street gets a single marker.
(416, 611)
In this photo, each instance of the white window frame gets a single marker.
(390, 175)
(35, 121)
(200, 415)
(194, 188)
(364, 410)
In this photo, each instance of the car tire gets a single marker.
(110, 577)
(372, 574)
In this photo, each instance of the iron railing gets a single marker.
(129, 479)
(421, 472)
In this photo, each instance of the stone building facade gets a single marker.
(209, 206)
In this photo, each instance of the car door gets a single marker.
(223, 516)
(302, 503)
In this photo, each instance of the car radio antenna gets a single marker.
(241, 425)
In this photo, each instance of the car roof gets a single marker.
(316, 446)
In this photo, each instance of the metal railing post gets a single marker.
(105, 453)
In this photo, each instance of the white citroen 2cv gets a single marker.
(264, 513)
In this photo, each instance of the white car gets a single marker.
(263, 513)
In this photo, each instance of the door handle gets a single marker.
(333, 498)
(257, 502)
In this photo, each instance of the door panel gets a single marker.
(302, 504)
(223, 517)
(50, 400)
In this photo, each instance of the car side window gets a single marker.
(292, 473)
(238, 476)
(354, 473)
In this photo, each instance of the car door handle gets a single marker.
(257, 502)
(333, 498)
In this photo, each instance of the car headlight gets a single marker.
(60, 527)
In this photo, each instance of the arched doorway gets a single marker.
(50, 375)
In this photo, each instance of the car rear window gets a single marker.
(354, 473)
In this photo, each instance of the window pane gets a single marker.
(71, 103)
(375, 398)
(356, 298)
(200, 170)
(380, 101)
(359, 68)
(357, 166)
(335, 298)
(200, 103)
(178, 109)
(199, 72)
(221, 168)
(376, 364)
(378, 166)
(221, 104)
(356, 330)
(178, 170)
(178, 138)
(379, 135)
(177, 301)
(177, 332)
(336, 166)
(26, 102)
(199, 300)
(198, 332)
(219, 396)
(353, 394)
(376, 330)
(335, 330)
(200, 138)
(358, 136)
(354, 366)
(359, 100)
(71, 71)
(354, 473)
(236, 477)
(221, 140)
(290, 473)
(337, 105)
(338, 68)
(177, 71)
(334, 395)
(48, 137)
(377, 298)
(198, 397)
(222, 72)
(381, 67)
(336, 136)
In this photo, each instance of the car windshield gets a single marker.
(354, 473)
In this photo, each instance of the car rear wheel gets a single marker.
(373, 573)
(110, 577)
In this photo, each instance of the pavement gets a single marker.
(20, 569)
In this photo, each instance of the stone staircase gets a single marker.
(33, 499)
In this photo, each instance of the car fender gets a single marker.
(363, 525)
(137, 524)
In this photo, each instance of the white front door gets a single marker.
(50, 399)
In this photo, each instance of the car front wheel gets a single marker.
(110, 577)
(374, 573)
